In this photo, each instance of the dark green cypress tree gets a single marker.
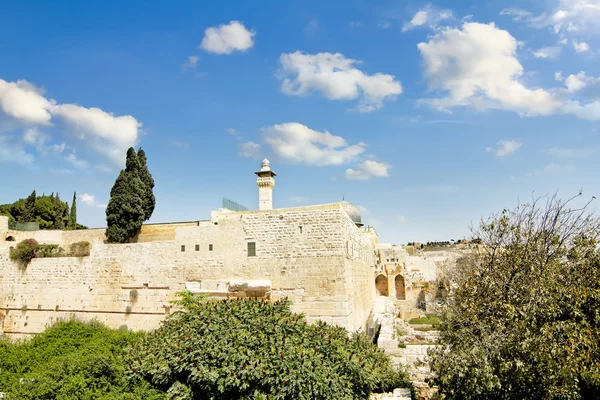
(59, 223)
(73, 216)
(146, 177)
(125, 211)
(28, 214)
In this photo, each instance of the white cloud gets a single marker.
(429, 16)
(103, 132)
(558, 76)
(477, 66)
(87, 199)
(11, 153)
(297, 143)
(401, 219)
(581, 47)
(564, 17)
(190, 63)
(251, 150)
(336, 78)
(551, 52)
(227, 38)
(367, 170)
(505, 148)
(76, 162)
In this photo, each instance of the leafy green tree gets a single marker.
(73, 216)
(523, 319)
(125, 211)
(59, 213)
(72, 360)
(28, 214)
(146, 177)
(45, 212)
(253, 349)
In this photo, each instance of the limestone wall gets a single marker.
(313, 255)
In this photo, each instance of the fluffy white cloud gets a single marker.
(505, 148)
(107, 133)
(336, 78)
(25, 102)
(581, 47)
(190, 63)
(297, 143)
(100, 131)
(251, 150)
(227, 38)
(367, 170)
(87, 199)
(551, 52)
(477, 66)
(12, 153)
(429, 16)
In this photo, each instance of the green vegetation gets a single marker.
(219, 350)
(29, 249)
(48, 212)
(252, 349)
(131, 199)
(523, 318)
(72, 360)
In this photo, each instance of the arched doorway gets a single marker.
(400, 289)
(381, 284)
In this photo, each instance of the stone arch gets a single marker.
(400, 287)
(381, 284)
(10, 239)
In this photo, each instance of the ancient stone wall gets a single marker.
(313, 255)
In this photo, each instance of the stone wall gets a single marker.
(314, 255)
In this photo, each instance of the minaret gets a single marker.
(265, 182)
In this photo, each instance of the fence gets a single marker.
(232, 205)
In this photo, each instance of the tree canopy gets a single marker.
(523, 317)
(252, 349)
(131, 199)
(49, 211)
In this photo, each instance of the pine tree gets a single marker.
(73, 216)
(146, 177)
(28, 214)
(125, 211)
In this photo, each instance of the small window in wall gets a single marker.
(251, 249)
(300, 229)
(197, 247)
(183, 247)
(210, 247)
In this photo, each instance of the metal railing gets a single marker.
(232, 205)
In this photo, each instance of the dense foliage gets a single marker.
(252, 349)
(523, 319)
(49, 212)
(29, 249)
(72, 360)
(131, 199)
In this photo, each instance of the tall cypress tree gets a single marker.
(59, 223)
(73, 216)
(125, 211)
(28, 214)
(146, 177)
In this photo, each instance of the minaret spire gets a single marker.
(265, 181)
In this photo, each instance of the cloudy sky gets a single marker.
(428, 116)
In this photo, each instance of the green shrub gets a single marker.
(80, 249)
(133, 295)
(252, 349)
(430, 320)
(48, 250)
(24, 252)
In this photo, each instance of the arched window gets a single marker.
(381, 284)
(10, 239)
(400, 288)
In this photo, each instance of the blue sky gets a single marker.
(428, 116)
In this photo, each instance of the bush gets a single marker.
(80, 249)
(48, 250)
(72, 360)
(24, 252)
(252, 349)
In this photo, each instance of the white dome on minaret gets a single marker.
(266, 165)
